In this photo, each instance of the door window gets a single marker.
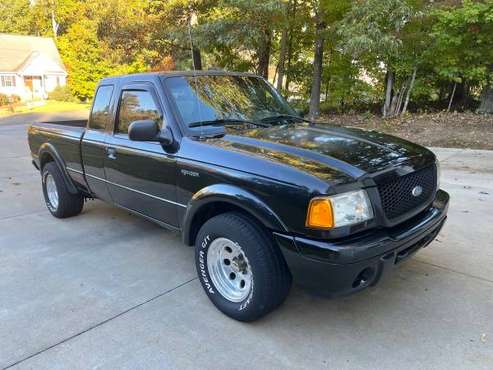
(136, 105)
(100, 115)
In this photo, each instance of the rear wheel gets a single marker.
(241, 270)
(60, 202)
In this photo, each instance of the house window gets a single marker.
(8, 81)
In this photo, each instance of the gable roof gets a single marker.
(16, 51)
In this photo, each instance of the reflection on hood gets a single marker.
(326, 152)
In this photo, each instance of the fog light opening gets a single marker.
(364, 277)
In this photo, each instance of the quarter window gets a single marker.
(136, 105)
(100, 115)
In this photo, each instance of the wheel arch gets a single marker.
(220, 198)
(48, 153)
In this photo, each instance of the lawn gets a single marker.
(50, 106)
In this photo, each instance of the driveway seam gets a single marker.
(99, 324)
(454, 271)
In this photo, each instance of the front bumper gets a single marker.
(352, 264)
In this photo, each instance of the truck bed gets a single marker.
(65, 136)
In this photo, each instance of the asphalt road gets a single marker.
(108, 290)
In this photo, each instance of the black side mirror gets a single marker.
(148, 130)
(300, 112)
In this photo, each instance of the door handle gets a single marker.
(111, 152)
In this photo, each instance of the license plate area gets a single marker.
(409, 251)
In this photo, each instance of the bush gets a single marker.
(14, 99)
(62, 93)
(9, 99)
(4, 99)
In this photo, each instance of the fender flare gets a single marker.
(49, 149)
(235, 196)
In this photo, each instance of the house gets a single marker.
(30, 66)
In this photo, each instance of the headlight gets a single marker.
(339, 210)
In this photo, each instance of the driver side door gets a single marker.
(141, 176)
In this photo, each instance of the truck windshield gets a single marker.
(222, 98)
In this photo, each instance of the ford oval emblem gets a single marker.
(417, 191)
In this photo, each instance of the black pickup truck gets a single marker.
(265, 196)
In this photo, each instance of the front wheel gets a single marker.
(241, 270)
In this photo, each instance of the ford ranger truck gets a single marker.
(265, 197)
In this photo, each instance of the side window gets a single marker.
(136, 105)
(100, 115)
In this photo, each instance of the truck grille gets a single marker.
(397, 196)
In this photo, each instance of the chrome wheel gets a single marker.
(51, 191)
(229, 269)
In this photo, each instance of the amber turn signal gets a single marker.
(320, 214)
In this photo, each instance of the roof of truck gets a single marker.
(211, 72)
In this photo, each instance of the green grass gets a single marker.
(51, 106)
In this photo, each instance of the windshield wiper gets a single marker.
(284, 116)
(226, 121)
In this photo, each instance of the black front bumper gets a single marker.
(349, 265)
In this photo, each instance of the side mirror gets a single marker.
(148, 130)
(300, 112)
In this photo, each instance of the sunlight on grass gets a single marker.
(51, 106)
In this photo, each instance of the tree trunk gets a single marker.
(197, 59)
(282, 58)
(451, 97)
(393, 105)
(317, 67)
(263, 54)
(486, 105)
(289, 51)
(460, 96)
(408, 94)
(54, 25)
(397, 110)
(327, 86)
(388, 93)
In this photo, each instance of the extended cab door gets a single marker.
(93, 145)
(141, 175)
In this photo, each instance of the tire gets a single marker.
(62, 203)
(261, 278)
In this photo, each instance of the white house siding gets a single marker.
(52, 81)
(48, 83)
(35, 70)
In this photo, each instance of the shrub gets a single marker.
(4, 99)
(62, 93)
(14, 99)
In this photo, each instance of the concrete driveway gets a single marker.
(110, 290)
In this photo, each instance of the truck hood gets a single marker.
(325, 149)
